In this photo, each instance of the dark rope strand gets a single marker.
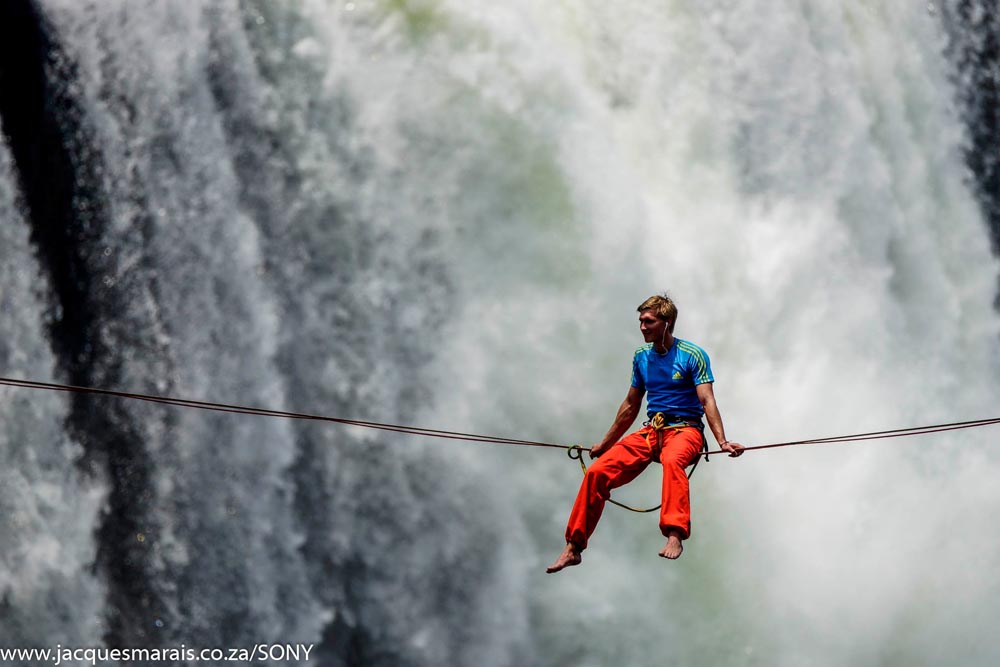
(457, 435)
(264, 412)
(883, 435)
(574, 451)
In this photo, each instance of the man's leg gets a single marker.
(679, 450)
(616, 467)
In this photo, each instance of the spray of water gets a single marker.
(446, 212)
(47, 512)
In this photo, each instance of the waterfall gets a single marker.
(47, 509)
(444, 214)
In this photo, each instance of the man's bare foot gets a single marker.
(569, 557)
(674, 547)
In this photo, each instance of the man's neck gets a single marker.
(665, 344)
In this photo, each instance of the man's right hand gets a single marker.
(599, 449)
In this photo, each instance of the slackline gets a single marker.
(458, 435)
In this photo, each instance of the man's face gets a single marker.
(652, 327)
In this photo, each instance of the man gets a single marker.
(678, 377)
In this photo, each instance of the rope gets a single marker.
(573, 451)
(882, 435)
(576, 452)
(265, 412)
(660, 424)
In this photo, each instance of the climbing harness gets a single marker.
(662, 422)
(659, 423)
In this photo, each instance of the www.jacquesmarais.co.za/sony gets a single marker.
(60, 654)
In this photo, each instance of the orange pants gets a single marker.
(622, 463)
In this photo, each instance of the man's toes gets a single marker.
(564, 561)
(672, 552)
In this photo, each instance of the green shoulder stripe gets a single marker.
(699, 356)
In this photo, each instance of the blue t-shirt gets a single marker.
(669, 379)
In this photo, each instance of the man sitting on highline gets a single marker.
(678, 377)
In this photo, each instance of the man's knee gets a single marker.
(597, 476)
(676, 459)
(602, 478)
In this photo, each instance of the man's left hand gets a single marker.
(734, 448)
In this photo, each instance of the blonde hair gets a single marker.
(663, 307)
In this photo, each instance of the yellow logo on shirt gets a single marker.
(678, 376)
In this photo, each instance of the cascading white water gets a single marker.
(446, 212)
(47, 513)
(793, 177)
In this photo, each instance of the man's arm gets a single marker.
(627, 413)
(707, 397)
